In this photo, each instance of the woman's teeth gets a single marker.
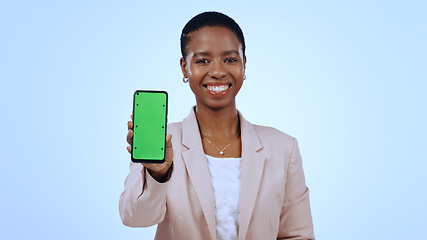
(217, 88)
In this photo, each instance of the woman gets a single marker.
(223, 177)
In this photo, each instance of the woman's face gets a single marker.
(215, 67)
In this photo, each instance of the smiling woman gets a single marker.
(223, 178)
(215, 67)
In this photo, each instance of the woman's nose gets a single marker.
(217, 70)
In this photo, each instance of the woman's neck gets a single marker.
(221, 123)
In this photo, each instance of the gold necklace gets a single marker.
(221, 151)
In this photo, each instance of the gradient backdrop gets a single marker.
(346, 78)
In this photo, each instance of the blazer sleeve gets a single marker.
(143, 202)
(295, 218)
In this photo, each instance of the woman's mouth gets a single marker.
(217, 89)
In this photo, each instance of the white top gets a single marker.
(225, 175)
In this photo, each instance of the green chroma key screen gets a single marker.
(149, 126)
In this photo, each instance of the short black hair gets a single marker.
(211, 19)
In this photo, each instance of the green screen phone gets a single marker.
(149, 126)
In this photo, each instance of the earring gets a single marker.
(185, 80)
(244, 76)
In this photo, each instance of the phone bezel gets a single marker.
(136, 160)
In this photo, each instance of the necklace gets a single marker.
(221, 151)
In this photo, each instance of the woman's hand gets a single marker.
(157, 171)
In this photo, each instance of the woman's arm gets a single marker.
(143, 202)
(295, 219)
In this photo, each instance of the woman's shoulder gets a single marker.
(271, 133)
(174, 127)
(275, 141)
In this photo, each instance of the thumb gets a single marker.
(169, 150)
(169, 141)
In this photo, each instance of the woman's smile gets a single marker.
(217, 89)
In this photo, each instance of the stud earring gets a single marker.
(244, 76)
(185, 80)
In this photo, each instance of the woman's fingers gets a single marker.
(130, 134)
(129, 137)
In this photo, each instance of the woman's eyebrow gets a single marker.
(201, 53)
(230, 52)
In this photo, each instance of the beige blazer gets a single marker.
(274, 198)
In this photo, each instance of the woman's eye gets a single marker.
(231, 60)
(202, 61)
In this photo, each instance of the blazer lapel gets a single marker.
(251, 172)
(198, 169)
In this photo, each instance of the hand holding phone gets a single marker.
(147, 133)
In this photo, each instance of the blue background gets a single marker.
(346, 78)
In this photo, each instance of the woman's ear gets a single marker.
(244, 67)
(183, 64)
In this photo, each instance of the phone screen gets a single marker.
(149, 126)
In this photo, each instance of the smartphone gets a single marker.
(150, 110)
